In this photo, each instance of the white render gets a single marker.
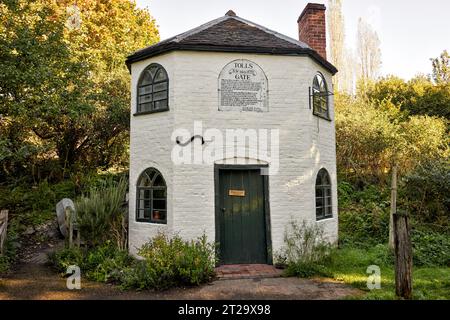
(307, 143)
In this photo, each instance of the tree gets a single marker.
(371, 136)
(59, 85)
(373, 139)
(37, 72)
(419, 96)
(341, 56)
(368, 51)
(441, 68)
(337, 37)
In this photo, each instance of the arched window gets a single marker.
(324, 208)
(153, 90)
(151, 197)
(320, 97)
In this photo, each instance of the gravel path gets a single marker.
(34, 280)
(37, 281)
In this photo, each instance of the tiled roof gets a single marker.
(232, 34)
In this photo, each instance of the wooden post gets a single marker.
(78, 238)
(393, 206)
(403, 256)
(70, 226)
(3, 229)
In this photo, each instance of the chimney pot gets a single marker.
(312, 28)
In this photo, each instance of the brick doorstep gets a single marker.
(247, 272)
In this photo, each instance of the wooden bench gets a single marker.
(3, 229)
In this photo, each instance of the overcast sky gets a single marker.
(411, 31)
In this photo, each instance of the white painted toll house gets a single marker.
(233, 136)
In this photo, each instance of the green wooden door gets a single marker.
(242, 235)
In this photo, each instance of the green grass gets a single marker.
(349, 265)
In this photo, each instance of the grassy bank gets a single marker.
(350, 265)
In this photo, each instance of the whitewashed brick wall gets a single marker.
(307, 143)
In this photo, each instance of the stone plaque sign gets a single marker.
(243, 87)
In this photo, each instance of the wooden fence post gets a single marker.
(393, 205)
(69, 218)
(403, 256)
(3, 229)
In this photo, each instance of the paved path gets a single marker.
(34, 280)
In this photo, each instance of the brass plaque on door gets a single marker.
(236, 193)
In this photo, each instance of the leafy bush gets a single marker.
(10, 248)
(428, 192)
(4, 264)
(170, 262)
(363, 215)
(35, 204)
(364, 227)
(66, 257)
(305, 250)
(430, 248)
(101, 214)
(137, 277)
(346, 193)
(105, 263)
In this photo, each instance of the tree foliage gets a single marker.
(441, 68)
(59, 85)
(370, 136)
(392, 122)
(418, 96)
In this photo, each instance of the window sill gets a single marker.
(324, 218)
(151, 222)
(149, 112)
(322, 117)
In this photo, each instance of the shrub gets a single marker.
(363, 215)
(428, 192)
(105, 263)
(10, 248)
(305, 250)
(364, 227)
(430, 248)
(170, 262)
(137, 277)
(4, 264)
(345, 193)
(101, 214)
(66, 257)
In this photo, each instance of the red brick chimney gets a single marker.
(312, 28)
